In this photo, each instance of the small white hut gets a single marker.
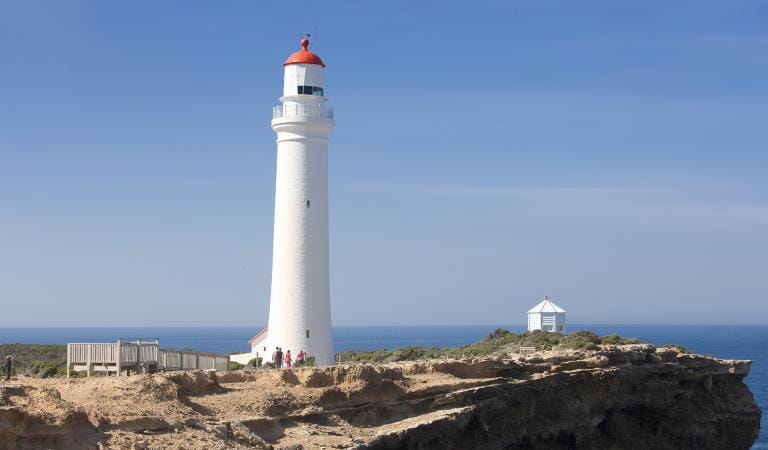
(546, 316)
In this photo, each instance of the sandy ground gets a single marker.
(332, 407)
(342, 406)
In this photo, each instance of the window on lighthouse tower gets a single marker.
(310, 90)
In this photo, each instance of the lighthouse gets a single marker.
(300, 304)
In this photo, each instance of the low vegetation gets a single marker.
(50, 360)
(308, 362)
(255, 363)
(43, 360)
(498, 343)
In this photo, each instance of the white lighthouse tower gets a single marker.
(300, 304)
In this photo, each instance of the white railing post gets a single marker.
(88, 361)
(119, 357)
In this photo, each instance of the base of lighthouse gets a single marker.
(265, 349)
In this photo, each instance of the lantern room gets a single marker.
(304, 75)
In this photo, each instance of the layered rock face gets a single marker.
(618, 398)
(613, 400)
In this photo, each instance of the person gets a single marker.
(288, 359)
(279, 358)
(8, 367)
(300, 358)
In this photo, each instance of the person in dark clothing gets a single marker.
(8, 367)
(279, 358)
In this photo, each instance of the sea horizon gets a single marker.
(368, 337)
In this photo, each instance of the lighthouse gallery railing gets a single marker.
(301, 110)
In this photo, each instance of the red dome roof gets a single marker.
(304, 56)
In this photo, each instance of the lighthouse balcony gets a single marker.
(301, 110)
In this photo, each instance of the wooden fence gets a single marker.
(139, 356)
(170, 359)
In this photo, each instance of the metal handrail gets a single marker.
(301, 110)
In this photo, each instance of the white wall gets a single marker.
(537, 321)
(302, 74)
(243, 358)
(300, 297)
(534, 322)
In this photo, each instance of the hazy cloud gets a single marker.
(640, 203)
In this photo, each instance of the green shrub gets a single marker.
(677, 348)
(615, 339)
(255, 362)
(586, 335)
(499, 333)
(46, 369)
(579, 343)
(364, 356)
(413, 354)
(309, 361)
(235, 365)
(42, 360)
(48, 372)
(542, 340)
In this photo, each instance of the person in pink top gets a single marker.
(287, 359)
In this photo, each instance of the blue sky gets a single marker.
(611, 155)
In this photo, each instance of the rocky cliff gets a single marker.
(621, 397)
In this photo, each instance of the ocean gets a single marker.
(730, 342)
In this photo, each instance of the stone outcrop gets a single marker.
(619, 397)
(638, 401)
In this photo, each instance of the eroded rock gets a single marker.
(616, 397)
